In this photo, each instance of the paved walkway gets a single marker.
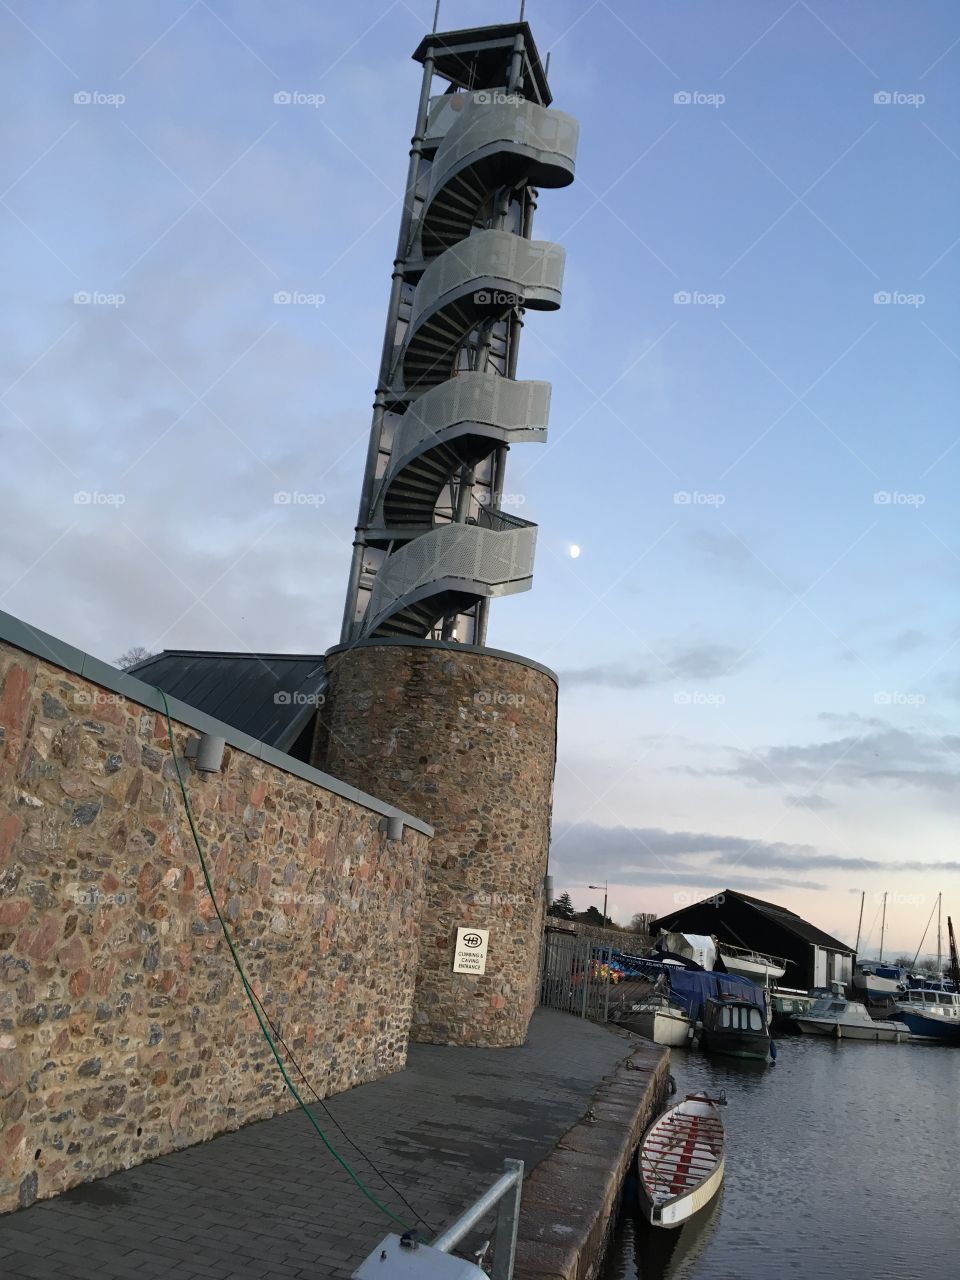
(270, 1203)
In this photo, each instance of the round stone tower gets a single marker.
(465, 738)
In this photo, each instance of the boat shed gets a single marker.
(815, 958)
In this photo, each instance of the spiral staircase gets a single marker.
(433, 546)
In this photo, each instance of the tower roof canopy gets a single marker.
(478, 57)
(270, 696)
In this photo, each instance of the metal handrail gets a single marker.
(493, 560)
(484, 399)
(508, 1220)
(550, 136)
(532, 267)
(493, 518)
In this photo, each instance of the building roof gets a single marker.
(777, 915)
(794, 923)
(270, 696)
(477, 56)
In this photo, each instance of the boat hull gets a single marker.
(662, 1028)
(930, 1028)
(756, 970)
(876, 988)
(678, 1212)
(877, 1033)
(736, 1044)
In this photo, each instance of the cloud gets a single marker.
(813, 802)
(694, 662)
(907, 641)
(880, 754)
(653, 855)
(724, 550)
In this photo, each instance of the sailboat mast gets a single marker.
(883, 925)
(954, 958)
(939, 952)
(856, 949)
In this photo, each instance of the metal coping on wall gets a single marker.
(66, 656)
(448, 646)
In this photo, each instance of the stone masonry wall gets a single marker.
(467, 741)
(124, 1031)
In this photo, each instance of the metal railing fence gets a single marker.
(575, 975)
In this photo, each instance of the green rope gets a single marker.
(246, 985)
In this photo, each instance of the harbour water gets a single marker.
(842, 1160)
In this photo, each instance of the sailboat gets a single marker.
(932, 1013)
(875, 980)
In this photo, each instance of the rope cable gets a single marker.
(251, 997)
(379, 1172)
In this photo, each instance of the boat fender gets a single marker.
(671, 1086)
(773, 1050)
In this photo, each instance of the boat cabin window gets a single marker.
(725, 1016)
(756, 1022)
(837, 1006)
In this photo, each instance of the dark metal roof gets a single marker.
(777, 915)
(270, 696)
(790, 920)
(477, 57)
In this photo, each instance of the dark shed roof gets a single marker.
(270, 696)
(777, 915)
(796, 924)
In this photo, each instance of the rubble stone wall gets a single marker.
(466, 739)
(124, 1030)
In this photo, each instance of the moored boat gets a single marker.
(681, 1161)
(877, 982)
(785, 1007)
(930, 1014)
(834, 1015)
(755, 965)
(656, 1019)
(735, 1027)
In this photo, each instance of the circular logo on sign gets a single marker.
(472, 940)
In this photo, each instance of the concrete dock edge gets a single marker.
(570, 1199)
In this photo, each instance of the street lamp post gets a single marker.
(604, 888)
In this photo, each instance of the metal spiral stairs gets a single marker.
(469, 273)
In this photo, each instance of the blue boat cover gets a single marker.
(691, 988)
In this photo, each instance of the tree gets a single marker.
(132, 656)
(561, 908)
(640, 922)
(593, 915)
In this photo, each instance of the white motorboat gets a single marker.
(656, 1019)
(834, 1015)
(681, 1160)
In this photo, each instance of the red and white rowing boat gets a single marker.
(681, 1161)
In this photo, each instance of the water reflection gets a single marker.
(667, 1255)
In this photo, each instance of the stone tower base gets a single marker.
(465, 738)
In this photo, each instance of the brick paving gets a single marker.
(269, 1202)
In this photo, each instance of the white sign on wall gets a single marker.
(470, 955)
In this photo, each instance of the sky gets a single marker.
(754, 438)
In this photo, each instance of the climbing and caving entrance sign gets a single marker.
(470, 955)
